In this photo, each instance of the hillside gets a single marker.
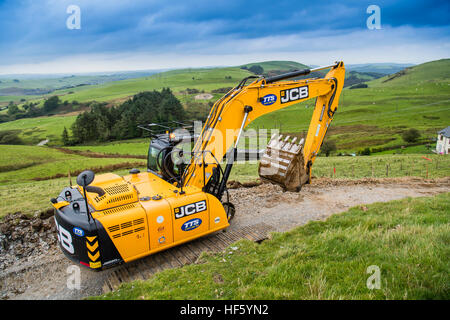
(430, 72)
(177, 80)
(32, 87)
(382, 68)
(113, 87)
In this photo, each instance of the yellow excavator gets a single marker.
(107, 219)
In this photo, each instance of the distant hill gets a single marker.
(434, 72)
(380, 68)
(354, 77)
(36, 85)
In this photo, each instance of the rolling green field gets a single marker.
(135, 147)
(28, 163)
(406, 239)
(177, 80)
(34, 130)
(383, 166)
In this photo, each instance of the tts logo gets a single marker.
(268, 99)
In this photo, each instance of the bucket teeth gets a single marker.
(282, 162)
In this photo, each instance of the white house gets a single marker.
(443, 141)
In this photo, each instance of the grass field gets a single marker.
(34, 130)
(177, 80)
(137, 147)
(28, 163)
(406, 239)
(363, 167)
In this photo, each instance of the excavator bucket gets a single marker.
(282, 163)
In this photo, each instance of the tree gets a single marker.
(51, 104)
(13, 109)
(411, 135)
(364, 152)
(359, 86)
(65, 137)
(103, 124)
(33, 111)
(328, 146)
(256, 69)
(10, 137)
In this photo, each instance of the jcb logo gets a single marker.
(190, 209)
(294, 94)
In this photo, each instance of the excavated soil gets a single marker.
(33, 267)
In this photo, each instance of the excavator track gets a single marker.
(181, 255)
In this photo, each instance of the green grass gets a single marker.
(37, 129)
(408, 240)
(28, 163)
(177, 80)
(136, 147)
(421, 149)
(430, 72)
(34, 130)
(14, 157)
(361, 167)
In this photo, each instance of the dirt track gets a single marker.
(44, 275)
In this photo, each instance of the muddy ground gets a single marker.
(32, 266)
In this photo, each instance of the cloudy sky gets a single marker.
(119, 35)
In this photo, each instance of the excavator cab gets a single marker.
(166, 155)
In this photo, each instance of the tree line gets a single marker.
(102, 123)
